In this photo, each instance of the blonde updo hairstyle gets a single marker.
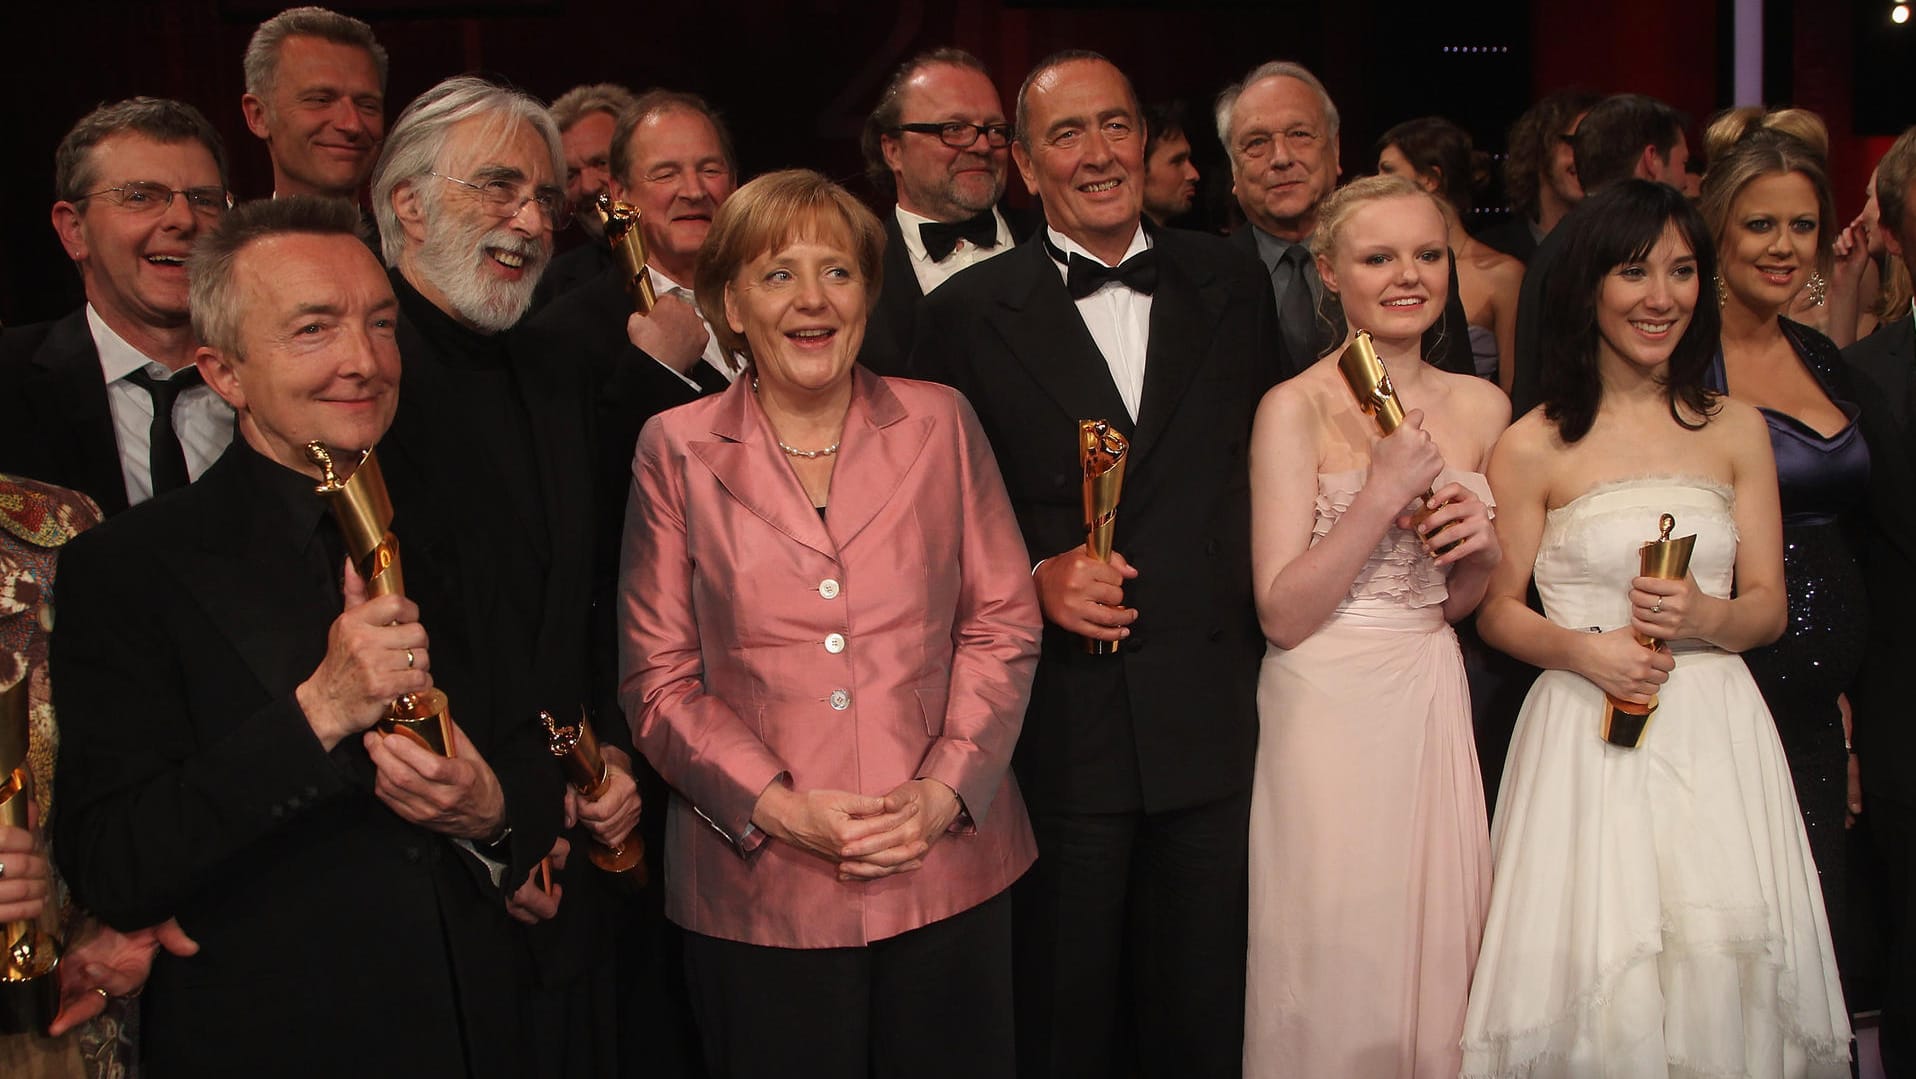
(1766, 148)
(1336, 211)
(1734, 125)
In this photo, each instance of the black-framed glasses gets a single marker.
(152, 197)
(505, 199)
(960, 135)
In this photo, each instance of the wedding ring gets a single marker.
(3, 869)
(1658, 609)
(105, 997)
(409, 659)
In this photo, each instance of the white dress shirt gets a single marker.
(663, 286)
(932, 274)
(1118, 317)
(203, 422)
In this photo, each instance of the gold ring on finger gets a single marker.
(410, 659)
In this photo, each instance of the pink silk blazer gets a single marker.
(894, 639)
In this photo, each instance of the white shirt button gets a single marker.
(834, 643)
(828, 588)
(841, 700)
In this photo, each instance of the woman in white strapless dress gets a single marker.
(1654, 910)
(1369, 848)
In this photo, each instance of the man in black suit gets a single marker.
(1136, 766)
(587, 116)
(316, 95)
(1540, 172)
(938, 143)
(107, 400)
(1620, 137)
(217, 687)
(1885, 730)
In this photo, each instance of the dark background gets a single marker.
(795, 79)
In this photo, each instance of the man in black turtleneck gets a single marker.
(489, 458)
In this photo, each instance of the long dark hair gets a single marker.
(1434, 144)
(1618, 225)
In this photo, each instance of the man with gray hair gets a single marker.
(219, 682)
(316, 94)
(489, 459)
(107, 400)
(585, 115)
(1280, 128)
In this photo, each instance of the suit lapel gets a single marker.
(748, 463)
(1038, 320)
(274, 630)
(67, 387)
(1183, 320)
(880, 446)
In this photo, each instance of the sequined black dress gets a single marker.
(1824, 483)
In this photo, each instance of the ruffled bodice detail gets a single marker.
(1398, 573)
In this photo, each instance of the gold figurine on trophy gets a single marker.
(1364, 373)
(622, 232)
(29, 987)
(1101, 451)
(577, 748)
(365, 514)
(1668, 560)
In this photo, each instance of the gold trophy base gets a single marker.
(29, 1004)
(629, 858)
(1623, 725)
(422, 718)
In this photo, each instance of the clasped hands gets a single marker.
(1403, 468)
(1625, 668)
(868, 837)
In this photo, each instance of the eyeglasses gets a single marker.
(152, 197)
(506, 199)
(1297, 139)
(960, 135)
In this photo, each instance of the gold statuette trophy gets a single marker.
(1665, 559)
(578, 751)
(29, 987)
(1101, 451)
(365, 515)
(1364, 373)
(621, 221)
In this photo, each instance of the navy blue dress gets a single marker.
(1824, 483)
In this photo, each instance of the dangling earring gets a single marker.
(1819, 289)
(1722, 291)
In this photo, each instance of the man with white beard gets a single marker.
(488, 458)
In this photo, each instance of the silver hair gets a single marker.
(1226, 106)
(418, 138)
(212, 289)
(581, 101)
(262, 52)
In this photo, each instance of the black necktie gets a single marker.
(941, 237)
(1085, 276)
(1296, 310)
(167, 460)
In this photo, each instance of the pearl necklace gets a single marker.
(790, 451)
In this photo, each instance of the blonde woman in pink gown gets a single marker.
(1369, 850)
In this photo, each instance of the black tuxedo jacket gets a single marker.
(1171, 720)
(893, 320)
(1446, 344)
(335, 938)
(58, 428)
(1885, 727)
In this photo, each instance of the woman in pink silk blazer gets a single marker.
(829, 635)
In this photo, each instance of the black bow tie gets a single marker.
(941, 237)
(1084, 276)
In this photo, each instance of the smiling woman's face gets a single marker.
(801, 310)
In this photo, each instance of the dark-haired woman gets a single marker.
(1654, 910)
(1767, 200)
(1436, 155)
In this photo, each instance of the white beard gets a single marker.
(452, 260)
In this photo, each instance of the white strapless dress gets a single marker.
(1653, 912)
